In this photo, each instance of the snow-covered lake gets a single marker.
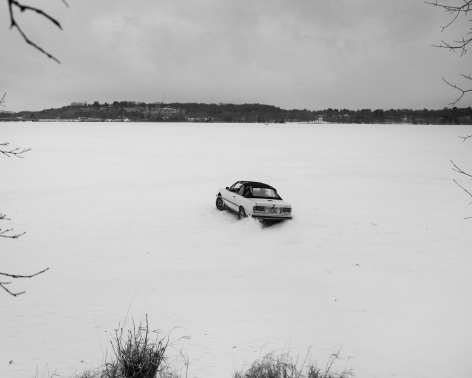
(376, 264)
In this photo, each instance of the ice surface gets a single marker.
(375, 264)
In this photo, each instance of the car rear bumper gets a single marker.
(271, 217)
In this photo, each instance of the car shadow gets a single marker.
(266, 223)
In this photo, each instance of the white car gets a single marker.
(253, 199)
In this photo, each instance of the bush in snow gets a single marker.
(137, 355)
(282, 366)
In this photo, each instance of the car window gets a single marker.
(241, 190)
(264, 193)
(235, 187)
(247, 191)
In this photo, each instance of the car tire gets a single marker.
(220, 205)
(241, 213)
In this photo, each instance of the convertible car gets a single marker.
(253, 199)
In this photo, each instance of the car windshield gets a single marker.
(264, 193)
(235, 187)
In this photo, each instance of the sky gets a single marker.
(294, 54)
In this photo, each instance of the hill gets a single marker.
(242, 113)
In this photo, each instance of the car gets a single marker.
(253, 199)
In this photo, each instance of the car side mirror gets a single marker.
(227, 188)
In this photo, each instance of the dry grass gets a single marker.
(138, 353)
(282, 366)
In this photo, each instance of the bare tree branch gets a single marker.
(4, 234)
(13, 152)
(469, 193)
(14, 276)
(19, 154)
(2, 285)
(457, 9)
(2, 100)
(463, 91)
(466, 137)
(22, 275)
(14, 24)
(457, 169)
(454, 10)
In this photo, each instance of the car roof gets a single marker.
(256, 184)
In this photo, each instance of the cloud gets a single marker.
(297, 53)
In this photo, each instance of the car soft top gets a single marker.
(256, 184)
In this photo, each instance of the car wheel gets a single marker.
(242, 213)
(220, 205)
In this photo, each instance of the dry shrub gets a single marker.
(271, 366)
(99, 373)
(282, 366)
(138, 354)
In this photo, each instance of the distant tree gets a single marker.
(16, 4)
(458, 9)
(8, 233)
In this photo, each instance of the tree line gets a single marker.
(240, 113)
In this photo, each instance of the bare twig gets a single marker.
(4, 234)
(13, 152)
(12, 293)
(454, 10)
(18, 153)
(14, 24)
(23, 276)
(463, 91)
(469, 193)
(459, 170)
(462, 8)
(2, 285)
(465, 138)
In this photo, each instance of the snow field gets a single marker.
(375, 264)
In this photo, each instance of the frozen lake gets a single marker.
(376, 263)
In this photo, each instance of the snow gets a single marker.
(375, 264)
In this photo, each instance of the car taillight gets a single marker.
(286, 210)
(258, 208)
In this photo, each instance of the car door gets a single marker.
(237, 197)
(244, 199)
(232, 198)
(241, 200)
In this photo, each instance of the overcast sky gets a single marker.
(304, 54)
